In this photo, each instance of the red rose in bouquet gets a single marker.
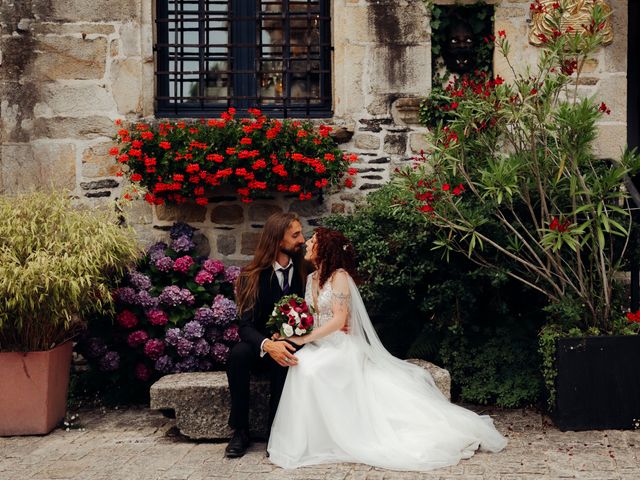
(291, 316)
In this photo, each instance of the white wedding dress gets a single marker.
(350, 400)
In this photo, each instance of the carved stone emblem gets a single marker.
(576, 16)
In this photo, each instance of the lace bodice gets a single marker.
(323, 308)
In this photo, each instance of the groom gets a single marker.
(277, 269)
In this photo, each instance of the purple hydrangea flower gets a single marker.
(139, 280)
(184, 347)
(182, 244)
(213, 335)
(95, 347)
(193, 330)
(137, 338)
(205, 365)
(154, 348)
(231, 334)
(188, 364)
(145, 300)
(231, 274)
(172, 336)
(164, 264)
(157, 317)
(164, 364)
(183, 264)
(220, 353)
(203, 277)
(125, 295)
(224, 310)
(201, 347)
(110, 362)
(179, 229)
(204, 315)
(213, 266)
(174, 296)
(156, 251)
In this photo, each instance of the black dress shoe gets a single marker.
(238, 444)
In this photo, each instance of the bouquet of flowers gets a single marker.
(291, 316)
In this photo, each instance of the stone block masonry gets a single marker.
(69, 68)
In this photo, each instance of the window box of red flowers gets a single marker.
(176, 162)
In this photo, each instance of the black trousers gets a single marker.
(242, 361)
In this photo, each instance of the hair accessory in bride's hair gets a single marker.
(345, 246)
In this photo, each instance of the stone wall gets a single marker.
(69, 68)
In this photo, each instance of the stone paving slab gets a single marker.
(141, 444)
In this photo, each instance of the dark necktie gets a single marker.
(285, 280)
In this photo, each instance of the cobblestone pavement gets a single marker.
(139, 444)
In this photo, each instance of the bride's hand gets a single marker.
(276, 336)
(298, 340)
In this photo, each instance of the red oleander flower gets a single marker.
(633, 317)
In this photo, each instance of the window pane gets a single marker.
(198, 51)
(304, 64)
(213, 53)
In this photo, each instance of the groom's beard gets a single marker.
(293, 253)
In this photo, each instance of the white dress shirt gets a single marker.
(279, 269)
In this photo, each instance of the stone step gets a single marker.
(201, 401)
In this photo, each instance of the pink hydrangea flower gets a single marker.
(213, 266)
(127, 319)
(137, 338)
(154, 348)
(142, 372)
(203, 277)
(183, 264)
(157, 317)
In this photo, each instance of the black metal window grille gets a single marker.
(273, 55)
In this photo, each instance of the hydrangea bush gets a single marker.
(174, 313)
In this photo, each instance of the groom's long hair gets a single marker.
(266, 253)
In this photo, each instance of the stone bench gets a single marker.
(200, 401)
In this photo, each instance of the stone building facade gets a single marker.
(69, 68)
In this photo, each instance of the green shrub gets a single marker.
(451, 312)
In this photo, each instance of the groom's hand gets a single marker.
(281, 352)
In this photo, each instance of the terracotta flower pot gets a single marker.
(33, 398)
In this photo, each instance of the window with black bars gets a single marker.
(267, 54)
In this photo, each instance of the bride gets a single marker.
(349, 400)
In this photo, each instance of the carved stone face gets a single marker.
(458, 54)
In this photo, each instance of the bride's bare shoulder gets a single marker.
(340, 279)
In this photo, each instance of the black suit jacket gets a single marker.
(252, 323)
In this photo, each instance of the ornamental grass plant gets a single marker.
(58, 263)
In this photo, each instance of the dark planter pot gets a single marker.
(598, 383)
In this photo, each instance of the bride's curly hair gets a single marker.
(334, 251)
